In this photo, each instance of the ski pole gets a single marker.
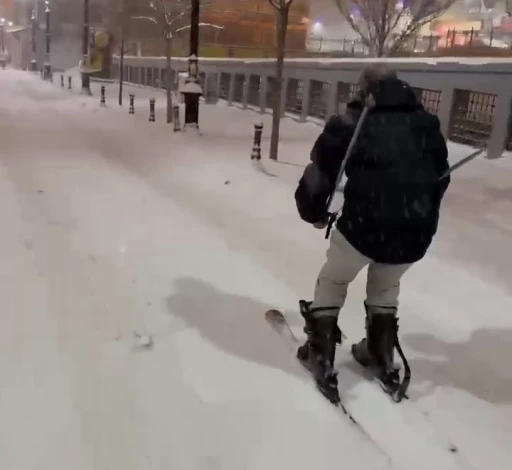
(465, 160)
(334, 215)
(348, 153)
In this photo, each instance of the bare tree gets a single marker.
(171, 17)
(386, 25)
(282, 8)
(168, 16)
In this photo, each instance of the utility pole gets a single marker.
(86, 79)
(192, 89)
(121, 61)
(47, 73)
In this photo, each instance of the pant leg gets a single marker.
(383, 286)
(343, 264)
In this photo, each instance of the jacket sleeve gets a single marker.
(317, 182)
(439, 153)
(331, 146)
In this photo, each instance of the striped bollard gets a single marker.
(256, 147)
(152, 110)
(176, 118)
(103, 102)
(132, 104)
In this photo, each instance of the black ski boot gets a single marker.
(318, 352)
(376, 352)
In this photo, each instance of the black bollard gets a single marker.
(103, 101)
(256, 148)
(62, 80)
(152, 110)
(69, 83)
(132, 104)
(176, 118)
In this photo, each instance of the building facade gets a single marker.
(7, 9)
(252, 23)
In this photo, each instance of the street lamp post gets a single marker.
(47, 73)
(86, 81)
(121, 61)
(192, 88)
(33, 62)
(2, 43)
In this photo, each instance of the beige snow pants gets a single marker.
(343, 264)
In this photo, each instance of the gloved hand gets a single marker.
(323, 222)
(320, 225)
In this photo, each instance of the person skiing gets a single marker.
(389, 217)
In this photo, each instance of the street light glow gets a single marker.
(317, 27)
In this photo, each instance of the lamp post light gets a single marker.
(192, 88)
(86, 80)
(33, 62)
(47, 72)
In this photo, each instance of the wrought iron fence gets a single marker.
(471, 117)
(467, 115)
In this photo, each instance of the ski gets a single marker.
(381, 420)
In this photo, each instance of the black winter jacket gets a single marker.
(393, 192)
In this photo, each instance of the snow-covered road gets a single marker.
(112, 226)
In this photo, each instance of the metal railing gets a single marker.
(473, 100)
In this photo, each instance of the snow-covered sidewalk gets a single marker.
(114, 225)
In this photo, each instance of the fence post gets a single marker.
(500, 124)
(445, 110)
(332, 100)
(306, 92)
(284, 93)
(132, 104)
(62, 80)
(102, 100)
(218, 86)
(256, 147)
(176, 118)
(152, 117)
(70, 86)
(263, 93)
(232, 84)
(245, 93)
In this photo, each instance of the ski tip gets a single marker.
(274, 316)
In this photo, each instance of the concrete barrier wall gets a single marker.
(471, 97)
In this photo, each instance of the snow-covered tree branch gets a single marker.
(386, 25)
(211, 25)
